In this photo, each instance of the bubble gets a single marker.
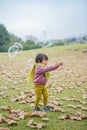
(49, 43)
(47, 34)
(31, 38)
(19, 46)
(30, 62)
(15, 49)
(33, 54)
(12, 51)
(1, 56)
(47, 37)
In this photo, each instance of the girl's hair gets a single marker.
(39, 58)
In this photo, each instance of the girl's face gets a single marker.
(44, 62)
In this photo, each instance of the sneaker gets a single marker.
(36, 109)
(46, 108)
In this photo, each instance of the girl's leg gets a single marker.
(45, 96)
(38, 93)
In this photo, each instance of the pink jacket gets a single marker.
(39, 77)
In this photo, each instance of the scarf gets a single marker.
(32, 72)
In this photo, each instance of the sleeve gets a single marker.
(40, 69)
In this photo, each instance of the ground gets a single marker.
(67, 88)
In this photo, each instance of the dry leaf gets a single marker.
(63, 117)
(59, 89)
(78, 116)
(1, 118)
(13, 116)
(38, 113)
(78, 106)
(22, 114)
(11, 122)
(58, 109)
(3, 94)
(6, 108)
(16, 88)
(13, 99)
(56, 103)
(41, 125)
(24, 97)
(84, 108)
(30, 122)
(78, 83)
(71, 99)
(45, 119)
(3, 87)
(72, 106)
(75, 117)
(84, 96)
(32, 126)
(23, 102)
(1, 128)
(83, 116)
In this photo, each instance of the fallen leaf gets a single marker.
(3, 87)
(13, 116)
(63, 117)
(84, 108)
(3, 94)
(83, 116)
(75, 117)
(16, 88)
(56, 103)
(11, 122)
(6, 108)
(1, 118)
(41, 125)
(22, 114)
(30, 122)
(2, 128)
(45, 119)
(59, 89)
(78, 106)
(58, 109)
(78, 116)
(38, 113)
(72, 106)
(78, 83)
(71, 99)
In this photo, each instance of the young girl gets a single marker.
(39, 75)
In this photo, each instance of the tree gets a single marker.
(14, 39)
(28, 45)
(4, 38)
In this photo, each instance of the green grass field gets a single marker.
(69, 81)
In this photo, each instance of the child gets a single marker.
(39, 75)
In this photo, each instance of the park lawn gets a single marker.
(72, 78)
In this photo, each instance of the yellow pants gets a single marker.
(41, 90)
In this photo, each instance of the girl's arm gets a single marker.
(40, 69)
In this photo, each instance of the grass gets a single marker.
(74, 71)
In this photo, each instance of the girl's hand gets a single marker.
(58, 64)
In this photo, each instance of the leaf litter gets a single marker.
(32, 124)
(2, 128)
(78, 116)
(73, 76)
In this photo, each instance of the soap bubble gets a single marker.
(15, 49)
(31, 38)
(12, 51)
(47, 34)
(46, 39)
(19, 46)
(30, 62)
